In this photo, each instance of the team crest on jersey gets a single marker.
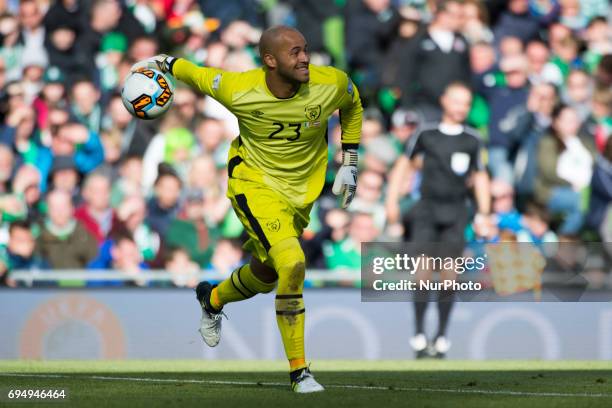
(313, 112)
(273, 225)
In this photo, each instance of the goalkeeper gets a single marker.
(276, 171)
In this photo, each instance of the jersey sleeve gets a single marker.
(476, 161)
(414, 147)
(210, 81)
(477, 150)
(351, 111)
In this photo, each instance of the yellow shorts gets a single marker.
(266, 215)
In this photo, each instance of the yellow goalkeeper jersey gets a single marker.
(282, 142)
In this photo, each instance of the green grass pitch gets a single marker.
(264, 384)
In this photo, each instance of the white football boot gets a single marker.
(305, 383)
(210, 323)
(419, 344)
(441, 346)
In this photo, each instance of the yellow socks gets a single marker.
(290, 319)
(289, 263)
(242, 284)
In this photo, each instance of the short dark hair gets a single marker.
(130, 156)
(82, 80)
(171, 252)
(20, 224)
(166, 169)
(121, 233)
(579, 71)
(458, 84)
(537, 41)
(597, 19)
(538, 211)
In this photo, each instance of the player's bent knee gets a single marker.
(286, 253)
(290, 264)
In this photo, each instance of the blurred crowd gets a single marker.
(86, 186)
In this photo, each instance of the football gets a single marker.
(147, 93)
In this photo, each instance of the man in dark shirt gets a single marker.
(433, 59)
(369, 30)
(506, 96)
(517, 21)
(448, 155)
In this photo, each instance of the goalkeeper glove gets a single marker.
(346, 179)
(161, 62)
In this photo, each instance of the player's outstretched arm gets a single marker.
(204, 79)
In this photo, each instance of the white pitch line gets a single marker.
(341, 386)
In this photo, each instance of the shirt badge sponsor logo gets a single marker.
(273, 225)
(216, 82)
(460, 162)
(459, 45)
(315, 124)
(257, 113)
(489, 80)
(312, 112)
(349, 88)
(428, 45)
